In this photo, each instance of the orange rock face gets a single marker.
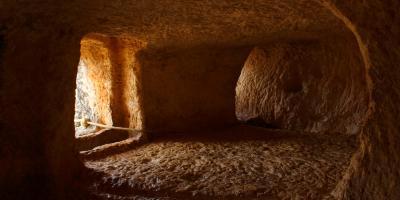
(96, 55)
(113, 70)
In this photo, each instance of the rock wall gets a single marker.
(36, 116)
(314, 86)
(374, 171)
(190, 89)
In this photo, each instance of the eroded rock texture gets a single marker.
(374, 173)
(40, 50)
(264, 165)
(315, 86)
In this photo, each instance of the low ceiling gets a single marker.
(189, 22)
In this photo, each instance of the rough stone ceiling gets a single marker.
(245, 22)
(171, 22)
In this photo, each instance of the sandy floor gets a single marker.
(238, 163)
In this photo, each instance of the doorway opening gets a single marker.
(107, 110)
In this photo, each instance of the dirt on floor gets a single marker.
(237, 163)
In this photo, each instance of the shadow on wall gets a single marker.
(312, 86)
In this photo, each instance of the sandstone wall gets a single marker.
(374, 171)
(190, 89)
(315, 86)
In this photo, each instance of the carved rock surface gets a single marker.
(315, 86)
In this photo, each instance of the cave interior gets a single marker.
(200, 100)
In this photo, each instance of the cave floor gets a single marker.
(241, 162)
